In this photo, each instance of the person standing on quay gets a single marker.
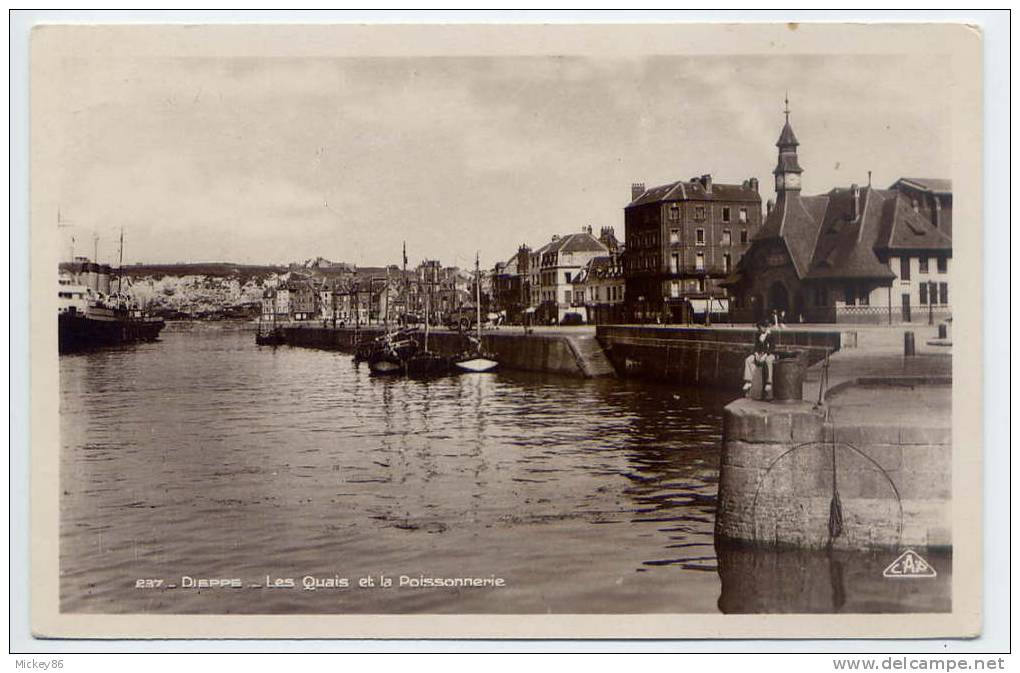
(763, 356)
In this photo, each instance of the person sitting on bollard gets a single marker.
(763, 356)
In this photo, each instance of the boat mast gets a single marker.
(427, 309)
(120, 264)
(386, 299)
(478, 298)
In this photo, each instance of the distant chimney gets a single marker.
(753, 182)
(586, 229)
(636, 190)
(706, 181)
(769, 205)
(855, 202)
(556, 237)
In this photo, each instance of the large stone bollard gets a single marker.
(908, 344)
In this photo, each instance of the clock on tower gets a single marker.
(787, 170)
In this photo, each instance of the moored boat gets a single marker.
(475, 359)
(91, 315)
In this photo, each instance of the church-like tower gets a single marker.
(787, 170)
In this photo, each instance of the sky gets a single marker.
(274, 160)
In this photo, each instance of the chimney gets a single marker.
(555, 237)
(855, 202)
(636, 190)
(706, 181)
(586, 229)
(753, 182)
(769, 205)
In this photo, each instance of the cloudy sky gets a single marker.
(262, 160)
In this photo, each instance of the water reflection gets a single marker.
(207, 456)
(757, 579)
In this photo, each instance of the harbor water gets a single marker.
(204, 474)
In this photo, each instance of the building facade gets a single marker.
(855, 255)
(600, 289)
(683, 240)
(559, 263)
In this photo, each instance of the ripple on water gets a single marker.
(207, 456)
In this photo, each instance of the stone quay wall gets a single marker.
(566, 354)
(702, 355)
(776, 479)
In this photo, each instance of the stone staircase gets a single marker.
(590, 357)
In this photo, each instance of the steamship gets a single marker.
(90, 316)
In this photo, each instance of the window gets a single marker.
(923, 298)
(904, 268)
(701, 285)
(726, 237)
(674, 235)
(567, 276)
(923, 266)
(699, 261)
(726, 262)
(944, 293)
(726, 214)
(699, 213)
(566, 296)
(743, 235)
(819, 296)
(674, 262)
(942, 264)
(674, 211)
(849, 296)
(742, 216)
(674, 289)
(699, 236)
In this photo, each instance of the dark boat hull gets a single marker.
(424, 365)
(78, 332)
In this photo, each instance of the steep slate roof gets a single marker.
(582, 242)
(786, 136)
(695, 191)
(904, 229)
(936, 185)
(825, 241)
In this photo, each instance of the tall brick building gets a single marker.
(682, 240)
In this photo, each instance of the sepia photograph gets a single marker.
(652, 325)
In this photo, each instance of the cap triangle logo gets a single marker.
(909, 564)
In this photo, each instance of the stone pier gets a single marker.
(884, 445)
(565, 352)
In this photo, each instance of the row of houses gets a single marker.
(697, 250)
(349, 295)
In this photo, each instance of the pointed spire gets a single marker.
(787, 138)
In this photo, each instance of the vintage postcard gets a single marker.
(506, 331)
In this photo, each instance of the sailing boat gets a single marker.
(392, 349)
(424, 362)
(476, 360)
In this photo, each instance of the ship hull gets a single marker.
(78, 332)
